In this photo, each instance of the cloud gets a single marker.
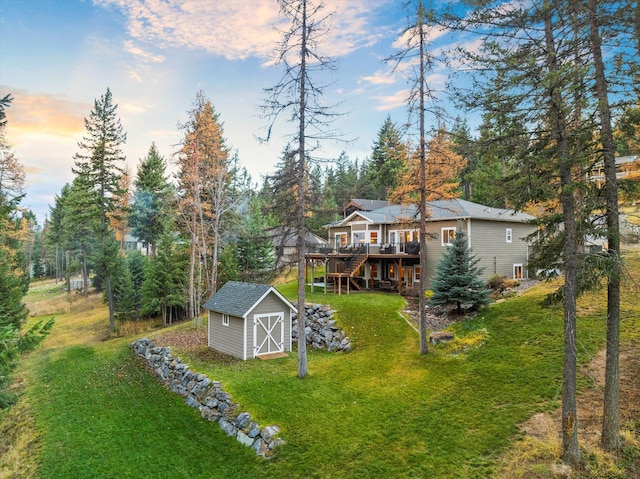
(49, 114)
(142, 54)
(398, 99)
(380, 78)
(237, 30)
(409, 37)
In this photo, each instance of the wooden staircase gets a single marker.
(353, 264)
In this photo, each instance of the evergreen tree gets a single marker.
(387, 160)
(124, 293)
(99, 162)
(14, 277)
(137, 264)
(457, 280)
(253, 246)
(163, 286)
(150, 206)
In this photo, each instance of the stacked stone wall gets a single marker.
(320, 330)
(208, 397)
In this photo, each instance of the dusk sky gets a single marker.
(57, 57)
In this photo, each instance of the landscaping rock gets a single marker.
(206, 395)
(242, 421)
(320, 329)
(228, 427)
(244, 439)
(269, 432)
(440, 337)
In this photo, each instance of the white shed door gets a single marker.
(268, 333)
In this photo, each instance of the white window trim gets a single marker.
(338, 238)
(518, 265)
(225, 319)
(415, 278)
(442, 230)
(509, 235)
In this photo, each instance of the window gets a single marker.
(447, 236)
(373, 237)
(393, 272)
(358, 237)
(509, 235)
(417, 272)
(517, 271)
(225, 320)
(341, 240)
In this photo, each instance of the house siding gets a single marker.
(227, 339)
(496, 255)
(435, 250)
(269, 305)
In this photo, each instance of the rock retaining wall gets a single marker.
(321, 331)
(207, 396)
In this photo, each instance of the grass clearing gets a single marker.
(382, 410)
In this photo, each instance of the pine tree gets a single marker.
(99, 162)
(253, 245)
(162, 289)
(457, 280)
(150, 206)
(387, 160)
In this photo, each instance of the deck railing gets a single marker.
(412, 247)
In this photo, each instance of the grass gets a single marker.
(382, 410)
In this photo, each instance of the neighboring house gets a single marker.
(247, 320)
(626, 167)
(131, 243)
(284, 242)
(380, 249)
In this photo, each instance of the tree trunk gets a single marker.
(85, 275)
(67, 272)
(422, 306)
(192, 263)
(570, 449)
(302, 320)
(611, 416)
(112, 319)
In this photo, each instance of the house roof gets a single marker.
(439, 210)
(365, 204)
(238, 299)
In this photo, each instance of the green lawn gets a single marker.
(382, 410)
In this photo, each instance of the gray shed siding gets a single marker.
(497, 256)
(227, 339)
(270, 304)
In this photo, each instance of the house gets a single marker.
(627, 167)
(285, 245)
(247, 320)
(380, 249)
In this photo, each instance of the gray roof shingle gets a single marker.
(443, 210)
(236, 298)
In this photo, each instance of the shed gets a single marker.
(247, 320)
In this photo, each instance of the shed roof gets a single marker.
(238, 298)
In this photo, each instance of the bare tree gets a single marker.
(299, 93)
(415, 36)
